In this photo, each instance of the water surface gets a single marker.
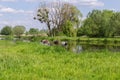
(79, 47)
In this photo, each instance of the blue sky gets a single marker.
(21, 12)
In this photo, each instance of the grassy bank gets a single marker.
(79, 39)
(83, 40)
(33, 61)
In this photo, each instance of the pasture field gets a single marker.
(34, 61)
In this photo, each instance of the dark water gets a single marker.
(78, 47)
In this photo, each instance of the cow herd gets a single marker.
(55, 42)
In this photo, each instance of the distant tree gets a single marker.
(33, 31)
(97, 24)
(18, 30)
(7, 30)
(27, 32)
(43, 31)
(81, 31)
(105, 28)
(115, 24)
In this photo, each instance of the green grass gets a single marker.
(32, 61)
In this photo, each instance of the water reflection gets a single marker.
(78, 47)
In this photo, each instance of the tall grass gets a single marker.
(33, 61)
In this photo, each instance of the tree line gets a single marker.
(17, 30)
(101, 23)
(20, 30)
(65, 19)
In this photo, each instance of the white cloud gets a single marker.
(4, 22)
(8, 0)
(19, 0)
(1, 14)
(8, 10)
(12, 23)
(113, 9)
(11, 10)
(31, 0)
(92, 3)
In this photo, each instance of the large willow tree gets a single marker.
(56, 14)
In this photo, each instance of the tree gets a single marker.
(69, 30)
(18, 30)
(72, 14)
(7, 30)
(115, 24)
(97, 24)
(43, 16)
(33, 31)
(106, 29)
(55, 15)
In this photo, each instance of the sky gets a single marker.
(21, 12)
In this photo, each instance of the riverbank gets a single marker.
(82, 40)
(64, 38)
(33, 61)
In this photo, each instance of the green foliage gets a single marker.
(115, 24)
(18, 30)
(7, 30)
(81, 31)
(33, 61)
(10, 37)
(34, 38)
(69, 30)
(97, 24)
(33, 31)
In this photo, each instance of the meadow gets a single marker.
(34, 61)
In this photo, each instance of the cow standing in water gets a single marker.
(56, 42)
(64, 43)
(45, 42)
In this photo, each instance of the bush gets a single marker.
(9, 37)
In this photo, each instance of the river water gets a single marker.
(79, 47)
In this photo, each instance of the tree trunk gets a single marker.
(49, 29)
